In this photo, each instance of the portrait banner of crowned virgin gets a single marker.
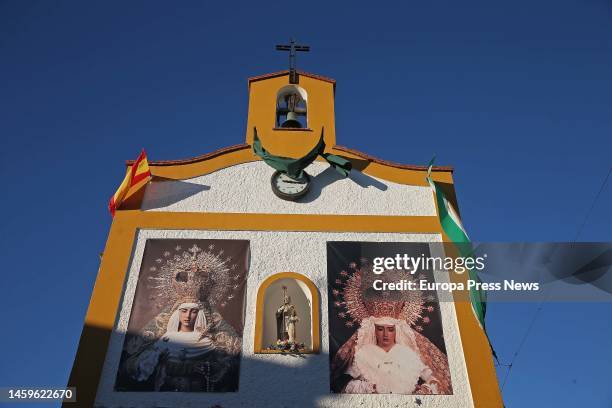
(185, 328)
(383, 341)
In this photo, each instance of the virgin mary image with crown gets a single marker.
(187, 346)
(387, 353)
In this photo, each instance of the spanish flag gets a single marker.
(136, 173)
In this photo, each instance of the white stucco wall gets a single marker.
(245, 188)
(271, 380)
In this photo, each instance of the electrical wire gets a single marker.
(541, 305)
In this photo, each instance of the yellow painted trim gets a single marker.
(239, 154)
(232, 158)
(482, 376)
(278, 222)
(481, 371)
(316, 303)
(207, 166)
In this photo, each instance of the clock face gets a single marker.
(289, 188)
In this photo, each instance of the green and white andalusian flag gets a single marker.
(453, 228)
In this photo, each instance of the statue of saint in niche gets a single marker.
(286, 333)
(286, 318)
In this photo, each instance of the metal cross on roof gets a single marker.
(293, 48)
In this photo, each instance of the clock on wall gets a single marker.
(289, 188)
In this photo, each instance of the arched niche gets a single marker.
(304, 296)
(291, 107)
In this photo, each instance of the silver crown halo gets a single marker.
(356, 299)
(194, 275)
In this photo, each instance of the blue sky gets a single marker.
(517, 96)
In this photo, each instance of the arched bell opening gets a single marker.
(291, 107)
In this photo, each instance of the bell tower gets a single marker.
(291, 108)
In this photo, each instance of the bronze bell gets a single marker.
(291, 121)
